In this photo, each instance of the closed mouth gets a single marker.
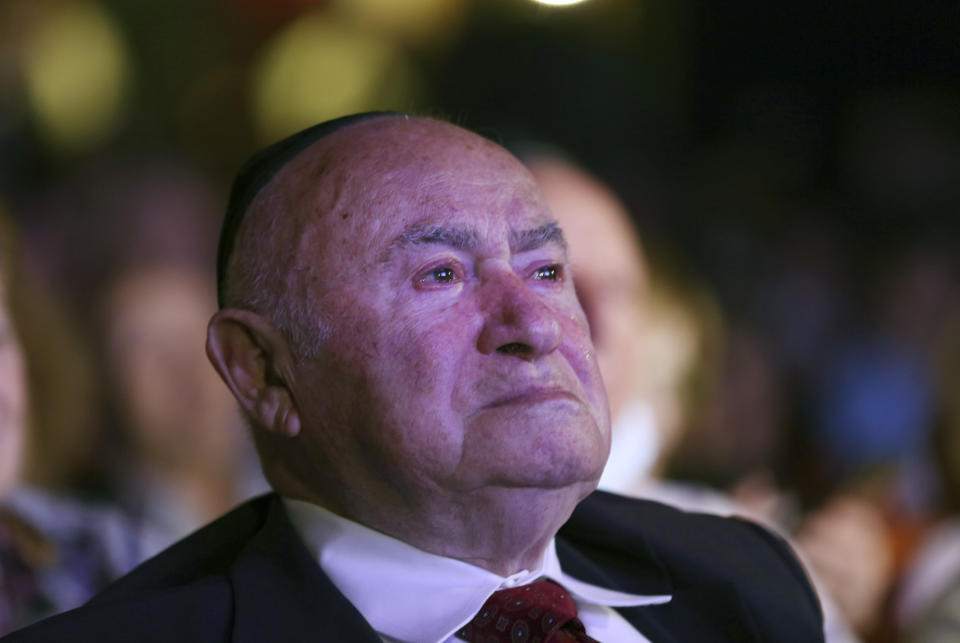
(533, 396)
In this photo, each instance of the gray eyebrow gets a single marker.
(433, 233)
(537, 238)
(466, 239)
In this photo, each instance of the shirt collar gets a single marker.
(412, 595)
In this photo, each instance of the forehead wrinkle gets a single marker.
(447, 177)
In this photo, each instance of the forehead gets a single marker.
(365, 185)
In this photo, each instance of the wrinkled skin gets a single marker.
(453, 399)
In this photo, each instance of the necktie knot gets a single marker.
(541, 612)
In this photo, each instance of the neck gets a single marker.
(503, 530)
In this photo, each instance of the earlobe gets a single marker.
(253, 360)
(276, 412)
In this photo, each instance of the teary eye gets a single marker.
(443, 274)
(548, 273)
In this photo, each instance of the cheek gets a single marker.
(412, 392)
(432, 342)
(410, 360)
(579, 353)
(576, 340)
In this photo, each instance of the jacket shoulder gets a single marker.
(693, 551)
(199, 611)
(689, 542)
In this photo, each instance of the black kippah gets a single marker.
(258, 171)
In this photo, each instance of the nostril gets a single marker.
(515, 348)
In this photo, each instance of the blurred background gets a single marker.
(793, 170)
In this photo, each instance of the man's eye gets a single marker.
(548, 273)
(443, 275)
(440, 275)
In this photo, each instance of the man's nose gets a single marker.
(518, 322)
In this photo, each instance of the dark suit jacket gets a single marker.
(248, 578)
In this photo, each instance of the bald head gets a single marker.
(258, 171)
(284, 201)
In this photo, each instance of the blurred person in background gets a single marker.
(659, 349)
(133, 236)
(185, 458)
(881, 423)
(129, 238)
(927, 602)
(54, 552)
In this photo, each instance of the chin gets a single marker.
(529, 448)
(552, 474)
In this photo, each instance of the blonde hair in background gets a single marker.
(61, 430)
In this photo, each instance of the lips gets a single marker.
(532, 395)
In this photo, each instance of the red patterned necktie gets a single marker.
(540, 612)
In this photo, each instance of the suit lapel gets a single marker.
(579, 566)
(281, 594)
(705, 613)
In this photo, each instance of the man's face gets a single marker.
(454, 353)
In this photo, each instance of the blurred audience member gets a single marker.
(186, 460)
(54, 553)
(658, 349)
(928, 600)
(845, 543)
(134, 235)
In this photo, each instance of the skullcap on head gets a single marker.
(258, 171)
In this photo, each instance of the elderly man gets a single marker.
(399, 324)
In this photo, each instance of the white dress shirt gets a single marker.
(411, 596)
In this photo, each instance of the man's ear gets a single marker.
(254, 360)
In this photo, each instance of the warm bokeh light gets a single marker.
(75, 73)
(559, 3)
(411, 21)
(319, 68)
